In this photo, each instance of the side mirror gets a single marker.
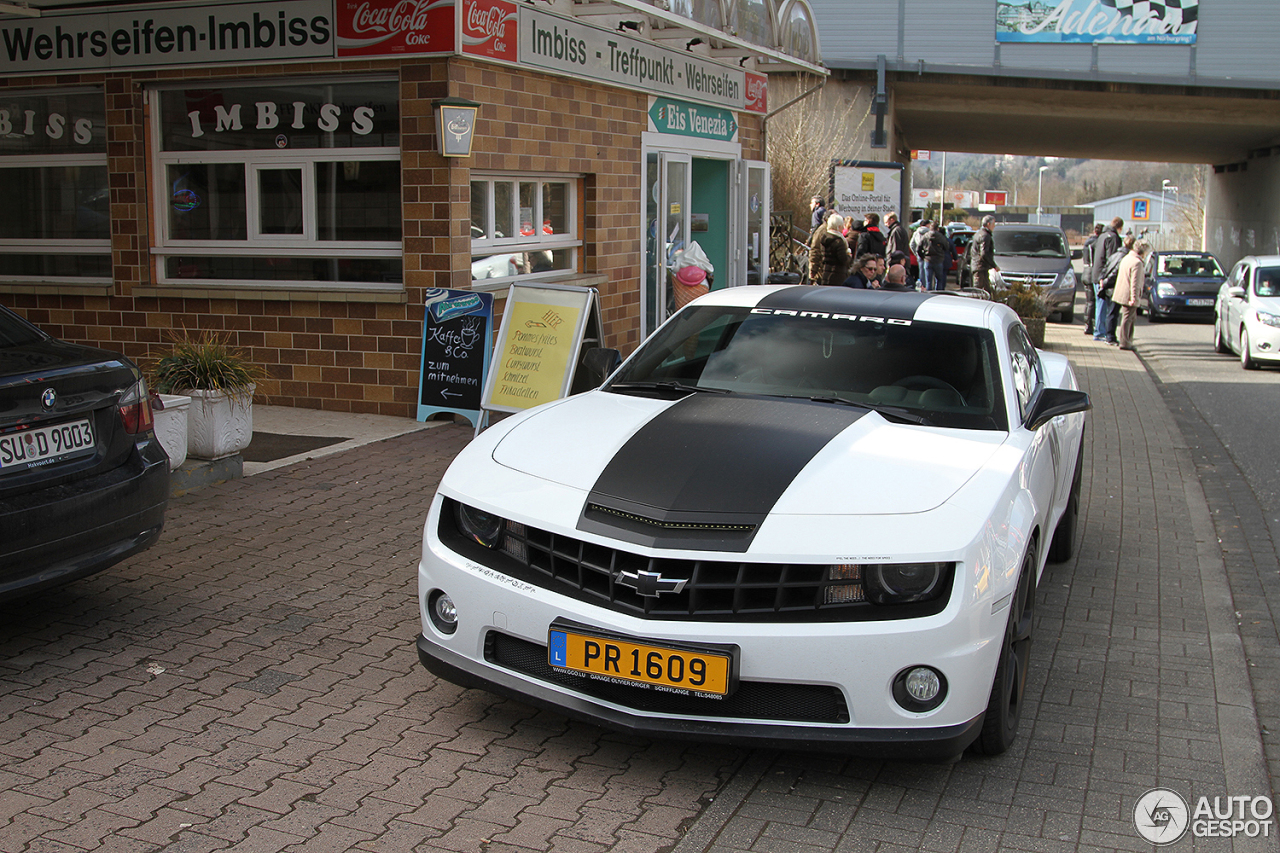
(598, 363)
(1056, 401)
(1235, 292)
(1077, 254)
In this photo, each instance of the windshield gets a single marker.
(1190, 266)
(1010, 240)
(933, 373)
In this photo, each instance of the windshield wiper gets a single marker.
(893, 413)
(664, 385)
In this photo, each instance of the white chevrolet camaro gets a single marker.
(797, 516)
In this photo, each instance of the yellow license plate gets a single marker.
(676, 667)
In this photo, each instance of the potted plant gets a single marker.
(220, 380)
(1027, 300)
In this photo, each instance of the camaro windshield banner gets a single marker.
(1089, 21)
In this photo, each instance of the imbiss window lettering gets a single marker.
(55, 226)
(289, 184)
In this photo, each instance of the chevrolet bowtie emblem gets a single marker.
(650, 584)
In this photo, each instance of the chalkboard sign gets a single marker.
(539, 344)
(456, 347)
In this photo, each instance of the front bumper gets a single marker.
(1264, 341)
(812, 685)
(1177, 307)
(920, 744)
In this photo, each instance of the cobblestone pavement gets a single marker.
(251, 684)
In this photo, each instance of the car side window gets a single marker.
(1024, 368)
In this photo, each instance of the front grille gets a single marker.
(753, 700)
(1023, 278)
(712, 590)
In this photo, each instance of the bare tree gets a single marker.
(1188, 215)
(808, 135)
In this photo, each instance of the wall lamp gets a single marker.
(455, 125)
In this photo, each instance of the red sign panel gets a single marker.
(757, 93)
(489, 29)
(995, 197)
(394, 27)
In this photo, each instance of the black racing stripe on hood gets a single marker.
(889, 304)
(706, 472)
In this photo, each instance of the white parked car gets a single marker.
(1246, 315)
(812, 516)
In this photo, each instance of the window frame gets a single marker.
(59, 245)
(482, 247)
(257, 244)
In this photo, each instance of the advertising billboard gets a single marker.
(1095, 21)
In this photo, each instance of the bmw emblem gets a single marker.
(48, 398)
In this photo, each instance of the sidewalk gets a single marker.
(250, 684)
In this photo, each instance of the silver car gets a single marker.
(1038, 255)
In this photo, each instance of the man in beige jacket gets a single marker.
(1128, 290)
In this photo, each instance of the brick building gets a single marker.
(273, 170)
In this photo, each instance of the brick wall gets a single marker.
(327, 351)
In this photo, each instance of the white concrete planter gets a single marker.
(171, 427)
(219, 425)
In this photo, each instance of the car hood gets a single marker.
(736, 458)
(1024, 264)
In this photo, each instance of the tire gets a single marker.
(1067, 316)
(1153, 317)
(1008, 688)
(1219, 343)
(1063, 545)
(1246, 360)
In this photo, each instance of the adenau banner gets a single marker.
(1093, 21)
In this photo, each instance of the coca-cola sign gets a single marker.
(395, 27)
(757, 93)
(489, 29)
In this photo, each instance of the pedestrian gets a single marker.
(864, 273)
(815, 252)
(1128, 290)
(818, 209)
(1104, 250)
(895, 278)
(937, 258)
(1086, 276)
(833, 251)
(982, 254)
(896, 238)
(871, 241)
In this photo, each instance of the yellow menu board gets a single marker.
(538, 346)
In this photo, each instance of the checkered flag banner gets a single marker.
(1176, 14)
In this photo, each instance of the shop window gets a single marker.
(55, 225)
(289, 184)
(523, 226)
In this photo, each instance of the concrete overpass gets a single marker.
(956, 76)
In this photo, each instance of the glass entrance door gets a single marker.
(667, 196)
(753, 207)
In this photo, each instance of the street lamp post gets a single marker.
(1039, 193)
(1165, 186)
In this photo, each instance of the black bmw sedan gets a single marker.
(83, 481)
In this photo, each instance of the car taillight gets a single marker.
(135, 409)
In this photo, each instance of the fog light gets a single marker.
(919, 688)
(443, 612)
(922, 684)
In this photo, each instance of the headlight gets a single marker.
(1268, 319)
(1067, 281)
(483, 527)
(900, 583)
(1165, 290)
